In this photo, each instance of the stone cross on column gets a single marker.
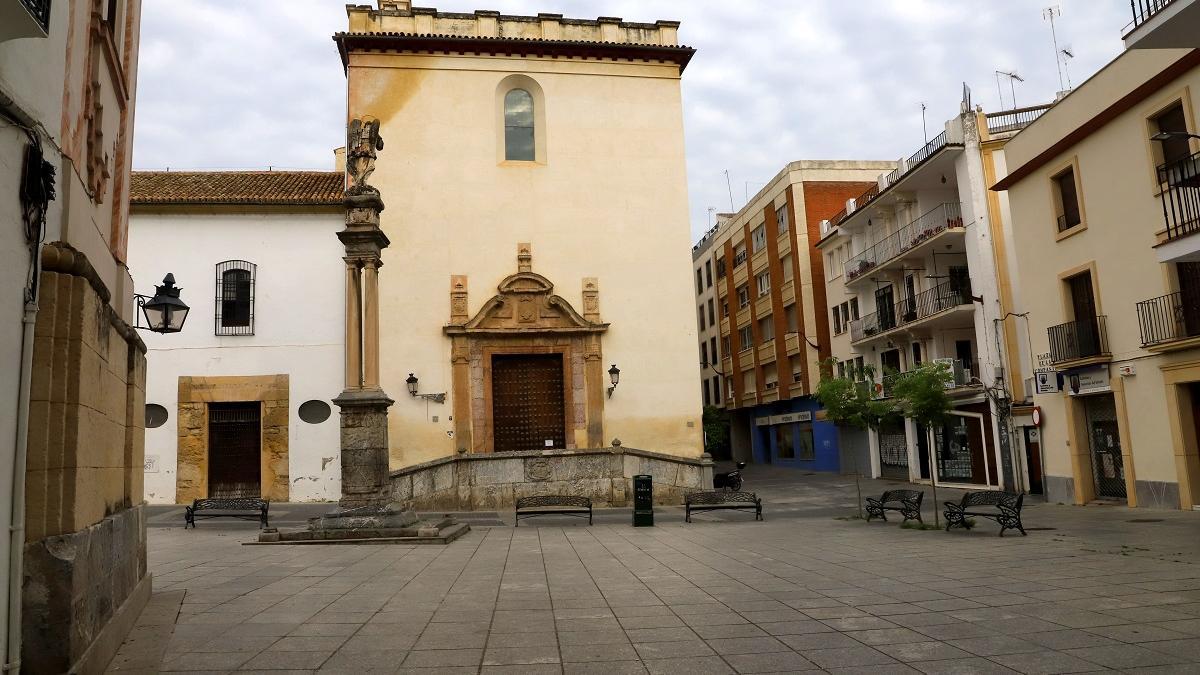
(363, 403)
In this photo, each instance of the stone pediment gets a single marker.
(526, 303)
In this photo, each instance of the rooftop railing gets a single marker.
(1144, 10)
(1014, 120)
(40, 9)
(910, 236)
(927, 151)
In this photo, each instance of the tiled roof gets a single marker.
(303, 188)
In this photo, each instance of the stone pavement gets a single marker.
(803, 591)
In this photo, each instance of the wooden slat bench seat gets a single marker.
(711, 500)
(544, 505)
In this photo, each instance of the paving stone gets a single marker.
(505, 656)
(770, 662)
(277, 660)
(1123, 656)
(847, 657)
(206, 661)
(712, 665)
(1137, 633)
(968, 666)
(365, 660)
(887, 636)
(441, 658)
(593, 637)
(605, 668)
(599, 652)
(996, 644)
(819, 641)
(922, 651)
(737, 630)
(1066, 639)
(666, 650)
(1048, 663)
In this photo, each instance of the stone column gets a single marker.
(353, 326)
(364, 405)
(371, 324)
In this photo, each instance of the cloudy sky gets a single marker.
(258, 83)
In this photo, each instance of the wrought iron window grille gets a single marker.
(234, 302)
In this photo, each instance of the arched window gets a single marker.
(235, 298)
(518, 126)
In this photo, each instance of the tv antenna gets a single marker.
(1013, 78)
(1067, 54)
(1048, 14)
(729, 186)
(924, 129)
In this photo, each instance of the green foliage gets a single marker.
(921, 393)
(716, 431)
(850, 401)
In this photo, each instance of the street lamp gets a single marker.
(165, 312)
(614, 375)
(411, 382)
(1164, 136)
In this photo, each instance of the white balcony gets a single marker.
(1163, 24)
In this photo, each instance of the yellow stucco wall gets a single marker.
(609, 201)
(1122, 212)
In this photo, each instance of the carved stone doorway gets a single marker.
(528, 402)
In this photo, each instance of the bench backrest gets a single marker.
(230, 504)
(552, 500)
(991, 498)
(902, 495)
(721, 497)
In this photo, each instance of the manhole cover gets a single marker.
(1145, 520)
(1040, 529)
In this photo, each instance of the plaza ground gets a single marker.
(1091, 589)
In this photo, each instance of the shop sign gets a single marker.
(1046, 379)
(783, 419)
(1088, 381)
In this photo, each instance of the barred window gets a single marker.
(235, 298)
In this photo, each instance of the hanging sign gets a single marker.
(1088, 381)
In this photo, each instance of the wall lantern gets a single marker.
(165, 312)
(411, 382)
(614, 375)
(1164, 136)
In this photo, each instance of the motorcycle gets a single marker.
(730, 480)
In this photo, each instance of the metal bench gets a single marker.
(545, 505)
(1006, 513)
(712, 500)
(245, 508)
(906, 502)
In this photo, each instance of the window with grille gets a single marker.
(235, 298)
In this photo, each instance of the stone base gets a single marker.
(380, 529)
(364, 441)
(391, 517)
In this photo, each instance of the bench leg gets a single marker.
(589, 515)
(758, 512)
(189, 518)
(687, 514)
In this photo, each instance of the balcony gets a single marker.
(1168, 322)
(911, 236)
(906, 167)
(1181, 209)
(941, 299)
(1163, 24)
(1006, 121)
(961, 377)
(1079, 343)
(24, 19)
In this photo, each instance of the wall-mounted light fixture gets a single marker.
(411, 381)
(165, 312)
(614, 375)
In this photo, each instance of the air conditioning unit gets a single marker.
(956, 369)
(796, 377)
(772, 385)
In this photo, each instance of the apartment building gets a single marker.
(1105, 196)
(761, 313)
(916, 270)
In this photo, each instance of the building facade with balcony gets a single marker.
(1106, 217)
(916, 270)
(762, 314)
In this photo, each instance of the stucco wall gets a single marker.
(609, 202)
(299, 305)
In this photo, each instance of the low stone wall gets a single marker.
(487, 482)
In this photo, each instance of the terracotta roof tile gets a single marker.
(313, 188)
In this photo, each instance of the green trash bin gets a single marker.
(643, 501)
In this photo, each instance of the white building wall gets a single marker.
(299, 305)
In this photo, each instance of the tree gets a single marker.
(716, 431)
(850, 402)
(920, 394)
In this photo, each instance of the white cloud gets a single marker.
(236, 84)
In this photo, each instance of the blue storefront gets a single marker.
(786, 433)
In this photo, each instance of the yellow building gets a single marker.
(536, 206)
(1105, 210)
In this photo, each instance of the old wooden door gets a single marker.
(528, 405)
(234, 450)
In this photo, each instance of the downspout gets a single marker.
(16, 528)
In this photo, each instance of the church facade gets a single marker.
(535, 296)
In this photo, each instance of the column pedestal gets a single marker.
(364, 437)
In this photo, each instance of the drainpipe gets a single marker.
(16, 529)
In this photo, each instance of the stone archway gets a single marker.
(526, 318)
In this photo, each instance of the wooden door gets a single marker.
(234, 450)
(1083, 304)
(885, 306)
(1189, 298)
(528, 402)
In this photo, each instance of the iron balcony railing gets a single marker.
(1181, 196)
(40, 9)
(944, 296)
(1015, 119)
(1144, 10)
(905, 239)
(1080, 339)
(1168, 318)
(927, 151)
